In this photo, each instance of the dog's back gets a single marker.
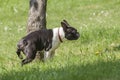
(39, 39)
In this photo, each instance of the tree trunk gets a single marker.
(37, 17)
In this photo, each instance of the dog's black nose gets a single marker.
(78, 35)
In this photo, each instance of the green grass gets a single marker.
(95, 56)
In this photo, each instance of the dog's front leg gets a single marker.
(52, 54)
(47, 55)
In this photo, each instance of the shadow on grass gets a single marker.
(98, 71)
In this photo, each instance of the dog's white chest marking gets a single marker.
(56, 42)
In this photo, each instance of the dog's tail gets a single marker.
(20, 47)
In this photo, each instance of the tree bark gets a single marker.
(37, 17)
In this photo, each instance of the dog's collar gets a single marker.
(59, 35)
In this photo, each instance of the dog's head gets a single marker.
(70, 32)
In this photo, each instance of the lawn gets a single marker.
(95, 56)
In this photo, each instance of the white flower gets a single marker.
(5, 28)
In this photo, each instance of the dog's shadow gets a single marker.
(97, 71)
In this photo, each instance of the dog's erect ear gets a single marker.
(64, 25)
(66, 22)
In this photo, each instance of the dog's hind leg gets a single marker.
(25, 61)
(29, 58)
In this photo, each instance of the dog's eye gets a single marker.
(74, 32)
(68, 30)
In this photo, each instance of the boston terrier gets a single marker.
(46, 40)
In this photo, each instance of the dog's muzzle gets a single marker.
(77, 35)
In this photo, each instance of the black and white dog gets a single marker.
(46, 40)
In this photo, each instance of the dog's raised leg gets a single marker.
(18, 53)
